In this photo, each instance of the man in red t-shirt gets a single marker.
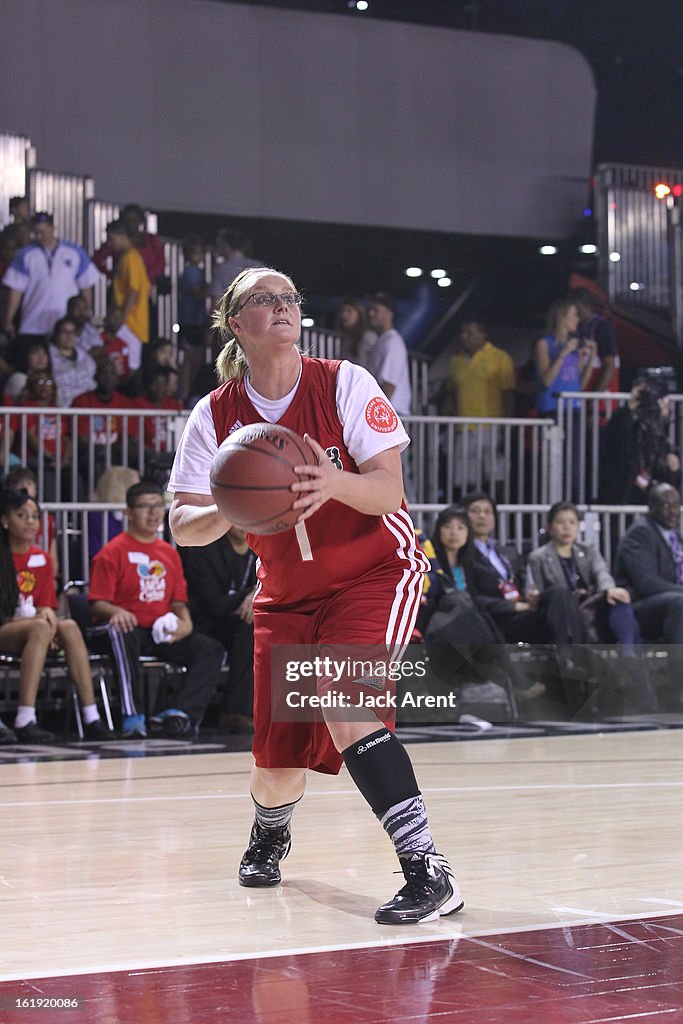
(138, 589)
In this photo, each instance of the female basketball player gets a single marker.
(349, 574)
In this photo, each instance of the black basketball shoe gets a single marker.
(430, 892)
(260, 865)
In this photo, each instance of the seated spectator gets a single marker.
(73, 369)
(221, 580)
(498, 584)
(607, 609)
(357, 340)
(47, 433)
(111, 489)
(101, 432)
(157, 353)
(88, 338)
(158, 394)
(29, 625)
(192, 312)
(131, 287)
(462, 623)
(21, 478)
(636, 451)
(137, 588)
(38, 360)
(650, 565)
(121, 346)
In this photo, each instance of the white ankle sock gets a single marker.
(90, 713)
(25, 715)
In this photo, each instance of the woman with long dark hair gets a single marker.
(29, 626)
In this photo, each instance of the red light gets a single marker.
(677, 191)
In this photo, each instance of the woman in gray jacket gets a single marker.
(581, 568)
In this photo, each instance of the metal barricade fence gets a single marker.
(69, 449)
(580, 418)
(63, 195)
(449, 456)
(82, 527)
(522, 526)
(14, 151)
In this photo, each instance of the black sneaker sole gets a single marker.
(254, 882)
(434, 916)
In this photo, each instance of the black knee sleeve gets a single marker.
(382, 770)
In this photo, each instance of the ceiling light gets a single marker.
(614, 257)
(444, 282)
(307, 321)
(436, 274)
(588, 250)
(548, 250)
(414, 272)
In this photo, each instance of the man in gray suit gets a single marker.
(650, 564)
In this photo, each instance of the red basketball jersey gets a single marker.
(337, 545)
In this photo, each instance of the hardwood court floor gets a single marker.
(119, 878)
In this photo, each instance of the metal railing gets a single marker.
(63, 195)
(638, 239)
(578, 440)
(69, 449)
(82, 527)
(13, 157)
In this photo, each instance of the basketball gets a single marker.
(252, 472)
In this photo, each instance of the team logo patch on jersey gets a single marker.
(236, 426)
(26, 581)
(380, 416)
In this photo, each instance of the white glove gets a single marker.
(164, 627)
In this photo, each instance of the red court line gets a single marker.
(626, 971)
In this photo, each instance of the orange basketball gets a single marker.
(251, 476)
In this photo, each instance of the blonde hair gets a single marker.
(112, 485)
(557, 311)
(231, 363)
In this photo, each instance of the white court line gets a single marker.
(438, 934)
(550, 787)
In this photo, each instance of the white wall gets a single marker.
(255, 111)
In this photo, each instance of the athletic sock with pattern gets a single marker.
(381, 769)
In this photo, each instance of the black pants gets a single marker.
(237, 637)
(200, 655)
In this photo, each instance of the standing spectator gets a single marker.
(138, 589)
(481, 382)
(388, 364)
(562, 362)
(131, 286)
(221, 580)
(41, 278)
(88, 338)
(155, 354)
(481, 377)
(357, 341)
(636, 451)
(389, 358)
(234, 250)
(19, 209)
(73, 369)
(595, 327)
(149, 246)
(192, 312)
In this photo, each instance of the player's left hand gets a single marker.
(318, 483)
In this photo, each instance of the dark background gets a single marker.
(636, 52)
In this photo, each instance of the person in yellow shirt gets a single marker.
(131, 284)
(481, 382)
(481, 377)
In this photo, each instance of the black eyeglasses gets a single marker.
(150, 508)
(271, 299)
(44, 380)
